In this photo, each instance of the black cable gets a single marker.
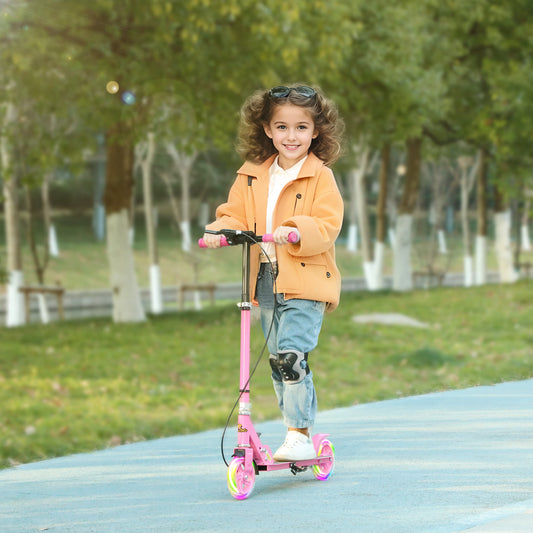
(254, 241)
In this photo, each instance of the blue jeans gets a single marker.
(293, 325)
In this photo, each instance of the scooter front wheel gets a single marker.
(324, 470)
(241, 480)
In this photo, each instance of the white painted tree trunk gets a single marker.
(441, 237)
(52, 242)
(503, 247)
(379, 259)
(352, 242)
(156, 291)
(468, 271)
(15, 315)
(368, 272)
(127, 305)
(186, 239)
(481, 260)
(525, 243)
(402, 274)
(392, 237)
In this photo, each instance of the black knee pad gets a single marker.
(290, 365)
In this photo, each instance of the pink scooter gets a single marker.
(251, 456)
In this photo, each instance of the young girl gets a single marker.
(287, 136)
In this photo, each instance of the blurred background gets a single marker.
(118, 123)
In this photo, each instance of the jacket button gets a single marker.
(303, 264)
(328, 274)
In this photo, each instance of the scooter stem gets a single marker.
(246, 307)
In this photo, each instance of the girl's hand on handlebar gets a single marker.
(211, 241)
(281, 234)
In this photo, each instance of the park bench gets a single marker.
(428, 278)
(184, 288)
(57, 290)
(525, 268)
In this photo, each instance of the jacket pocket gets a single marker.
(319, 259)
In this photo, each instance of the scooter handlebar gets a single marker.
(293, 238)
(223, 242)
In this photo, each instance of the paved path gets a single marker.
(439, 463)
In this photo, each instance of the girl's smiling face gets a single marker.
(292, 130)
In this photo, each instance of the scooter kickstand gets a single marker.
(297, 469)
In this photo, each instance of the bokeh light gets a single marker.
(128, 97)
(112, 87)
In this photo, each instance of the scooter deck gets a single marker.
(323, 459)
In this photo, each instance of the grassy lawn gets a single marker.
(83, 385)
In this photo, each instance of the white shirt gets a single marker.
(279, 178)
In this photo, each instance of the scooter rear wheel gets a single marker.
(324, 470)
(241, 481)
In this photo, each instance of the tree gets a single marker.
(487, 83)
(15, 277)
(121, 46)
(145, 153)
(467, 172)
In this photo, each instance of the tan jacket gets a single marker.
(311, 203)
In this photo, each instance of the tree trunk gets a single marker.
(467, 179)
(357, 176)
(146, 161)
(165, 176)
(503, 247)
(353, 231)
(39, 263)
(53, 248)
(402, 274)
(525, 243)
(481, 237)
(381, 221)
(183, 164)
(381, 216)
(402, 279)
(15, 315)
(127, 305)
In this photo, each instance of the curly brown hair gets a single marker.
(254, 145)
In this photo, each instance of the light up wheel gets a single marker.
(241, 480)
(323, 470)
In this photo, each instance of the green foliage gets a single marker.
(83, 385)
(451, 70)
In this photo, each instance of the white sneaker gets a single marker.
(297, 447)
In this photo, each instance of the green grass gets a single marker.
(83, 385)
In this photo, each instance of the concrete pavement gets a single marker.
(439, 463)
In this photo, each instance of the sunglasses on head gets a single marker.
(283, 92)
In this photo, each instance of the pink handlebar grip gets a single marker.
(292, 238)
(223, 242)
